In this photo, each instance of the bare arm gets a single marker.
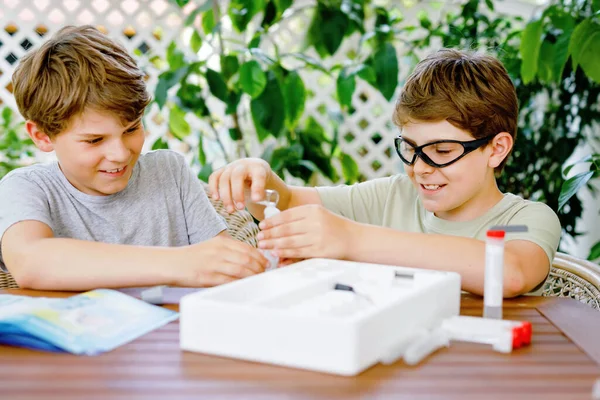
(313, 231)
(37, 260)
(525, 263)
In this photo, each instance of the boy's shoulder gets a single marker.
(516, 204)
(32, 173)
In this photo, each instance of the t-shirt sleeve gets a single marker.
(21, 200)
(203, 221)
(362, 202)
(543, 227)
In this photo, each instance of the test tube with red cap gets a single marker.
(494, 274)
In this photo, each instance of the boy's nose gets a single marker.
(117, 151)
(420, 167)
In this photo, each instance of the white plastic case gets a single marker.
(293, 316)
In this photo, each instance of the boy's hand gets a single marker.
(307, 232)
(231, 182)
(220, 260)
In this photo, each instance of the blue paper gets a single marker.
(89, 323)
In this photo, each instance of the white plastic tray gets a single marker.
(292, 316)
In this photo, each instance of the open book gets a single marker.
(89, 323)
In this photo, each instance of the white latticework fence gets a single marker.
(146, 27)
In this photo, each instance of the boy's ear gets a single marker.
(41, 140)
(501, 146)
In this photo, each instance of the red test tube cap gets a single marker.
(495, 234)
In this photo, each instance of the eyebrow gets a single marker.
(426, 143)
(133, 125)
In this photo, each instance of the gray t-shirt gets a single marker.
(164, 204)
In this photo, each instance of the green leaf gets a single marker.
(7, 115)
(268, 109)
(175, 57)
(229, 66)
(255, 42)
(424, 20)
(167, 80)
(367, 73)
(252, 78)
(208, 22)
(286, 156)
(232, 102)
(201, 153)
(190, 99)
(585, 48)
(217, 85)
(489, 4)
(205, 172)
(294, 94)
(200, 9)
(345, 86)
(349, 168)
(196, 41)
(332, 31)
(531, 42)
(595, 5)
(242, 11)
(179, 3)
(595, 251)
(282, 5)
(546, 62)
(572, 186)
(385, 64)
(178, 126)
(160, 144)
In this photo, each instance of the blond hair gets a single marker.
(76, 69)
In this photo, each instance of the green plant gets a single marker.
(573, 184)
(15, 146)
(270, 83)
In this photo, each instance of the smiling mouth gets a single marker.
(114, 171)
(432, 187)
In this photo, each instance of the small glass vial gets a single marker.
(270, 203)
(494, 274)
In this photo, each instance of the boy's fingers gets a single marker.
(283, 230)
(259, 262)
(245, 254)
(284, 217)
(288, 242)
(259, 181)
(303, 252)
(225, 190)
(213, 183)
(238, 181)
(235, 269)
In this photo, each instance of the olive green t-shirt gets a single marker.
(393, 202)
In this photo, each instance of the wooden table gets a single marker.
(562, 363)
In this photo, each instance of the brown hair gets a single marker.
(79, 67)
(472, 91)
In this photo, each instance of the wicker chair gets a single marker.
(241, 227)
(575, 278)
